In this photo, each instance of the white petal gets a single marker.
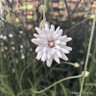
(45, 31)
(63, 37)
(62, 44)
(49, 62)
(57, 41)
(39, 55)
(56, 36)
(35, 41)
(49, 55)
(68, 48)
(59, 53)
(38, 48)
(50, 36)
(44, 37)
(45, 49)
(46, 27)
(39, 41)
(43, 57)
(64, 57)
(60, 32)
(67, 39)
(52, 29)
(53, 51)
(56, 58)
(36, 35)
(38, 30)
(57, 47)
(57, 30)
(64, 51)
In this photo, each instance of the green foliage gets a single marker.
(22, 75)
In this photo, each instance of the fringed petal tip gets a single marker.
(69, 39)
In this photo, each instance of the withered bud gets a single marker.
(42, 9)
(42, 24)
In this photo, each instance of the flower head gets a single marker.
(51, 44)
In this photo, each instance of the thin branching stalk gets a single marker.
(79, 23)
(72, 77)
(68, 11)
(88, 53)
(1, 61)
(76, 7)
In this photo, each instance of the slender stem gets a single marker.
(68, 11)
(72, 77)
(44, 10)
(79, 23)
(45, 2)
(44, 17)
(1, 63)
(76, 7)
(88, 53)
(17, 75)
(69, 63)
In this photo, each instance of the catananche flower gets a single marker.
(51, 44)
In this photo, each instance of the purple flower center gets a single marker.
(51, 43)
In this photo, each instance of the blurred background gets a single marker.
(20, 72)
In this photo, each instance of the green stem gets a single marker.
(79, 23)
(1, 63)
(17, 76)
(44, 17)
(45, 2)
(72, 77)
(68, 11)
(88, 53)
(76, 7)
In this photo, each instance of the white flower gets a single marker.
(22, 56)
(1, 36)
(30, 49)
(51, 44)
(21, 46)
(13, 48)
(4, 37)
(10, 35)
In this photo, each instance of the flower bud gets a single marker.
(42, 24)
(42, 9)
(76, 65)
(22, 56)
(86, 73)
(13, 70)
